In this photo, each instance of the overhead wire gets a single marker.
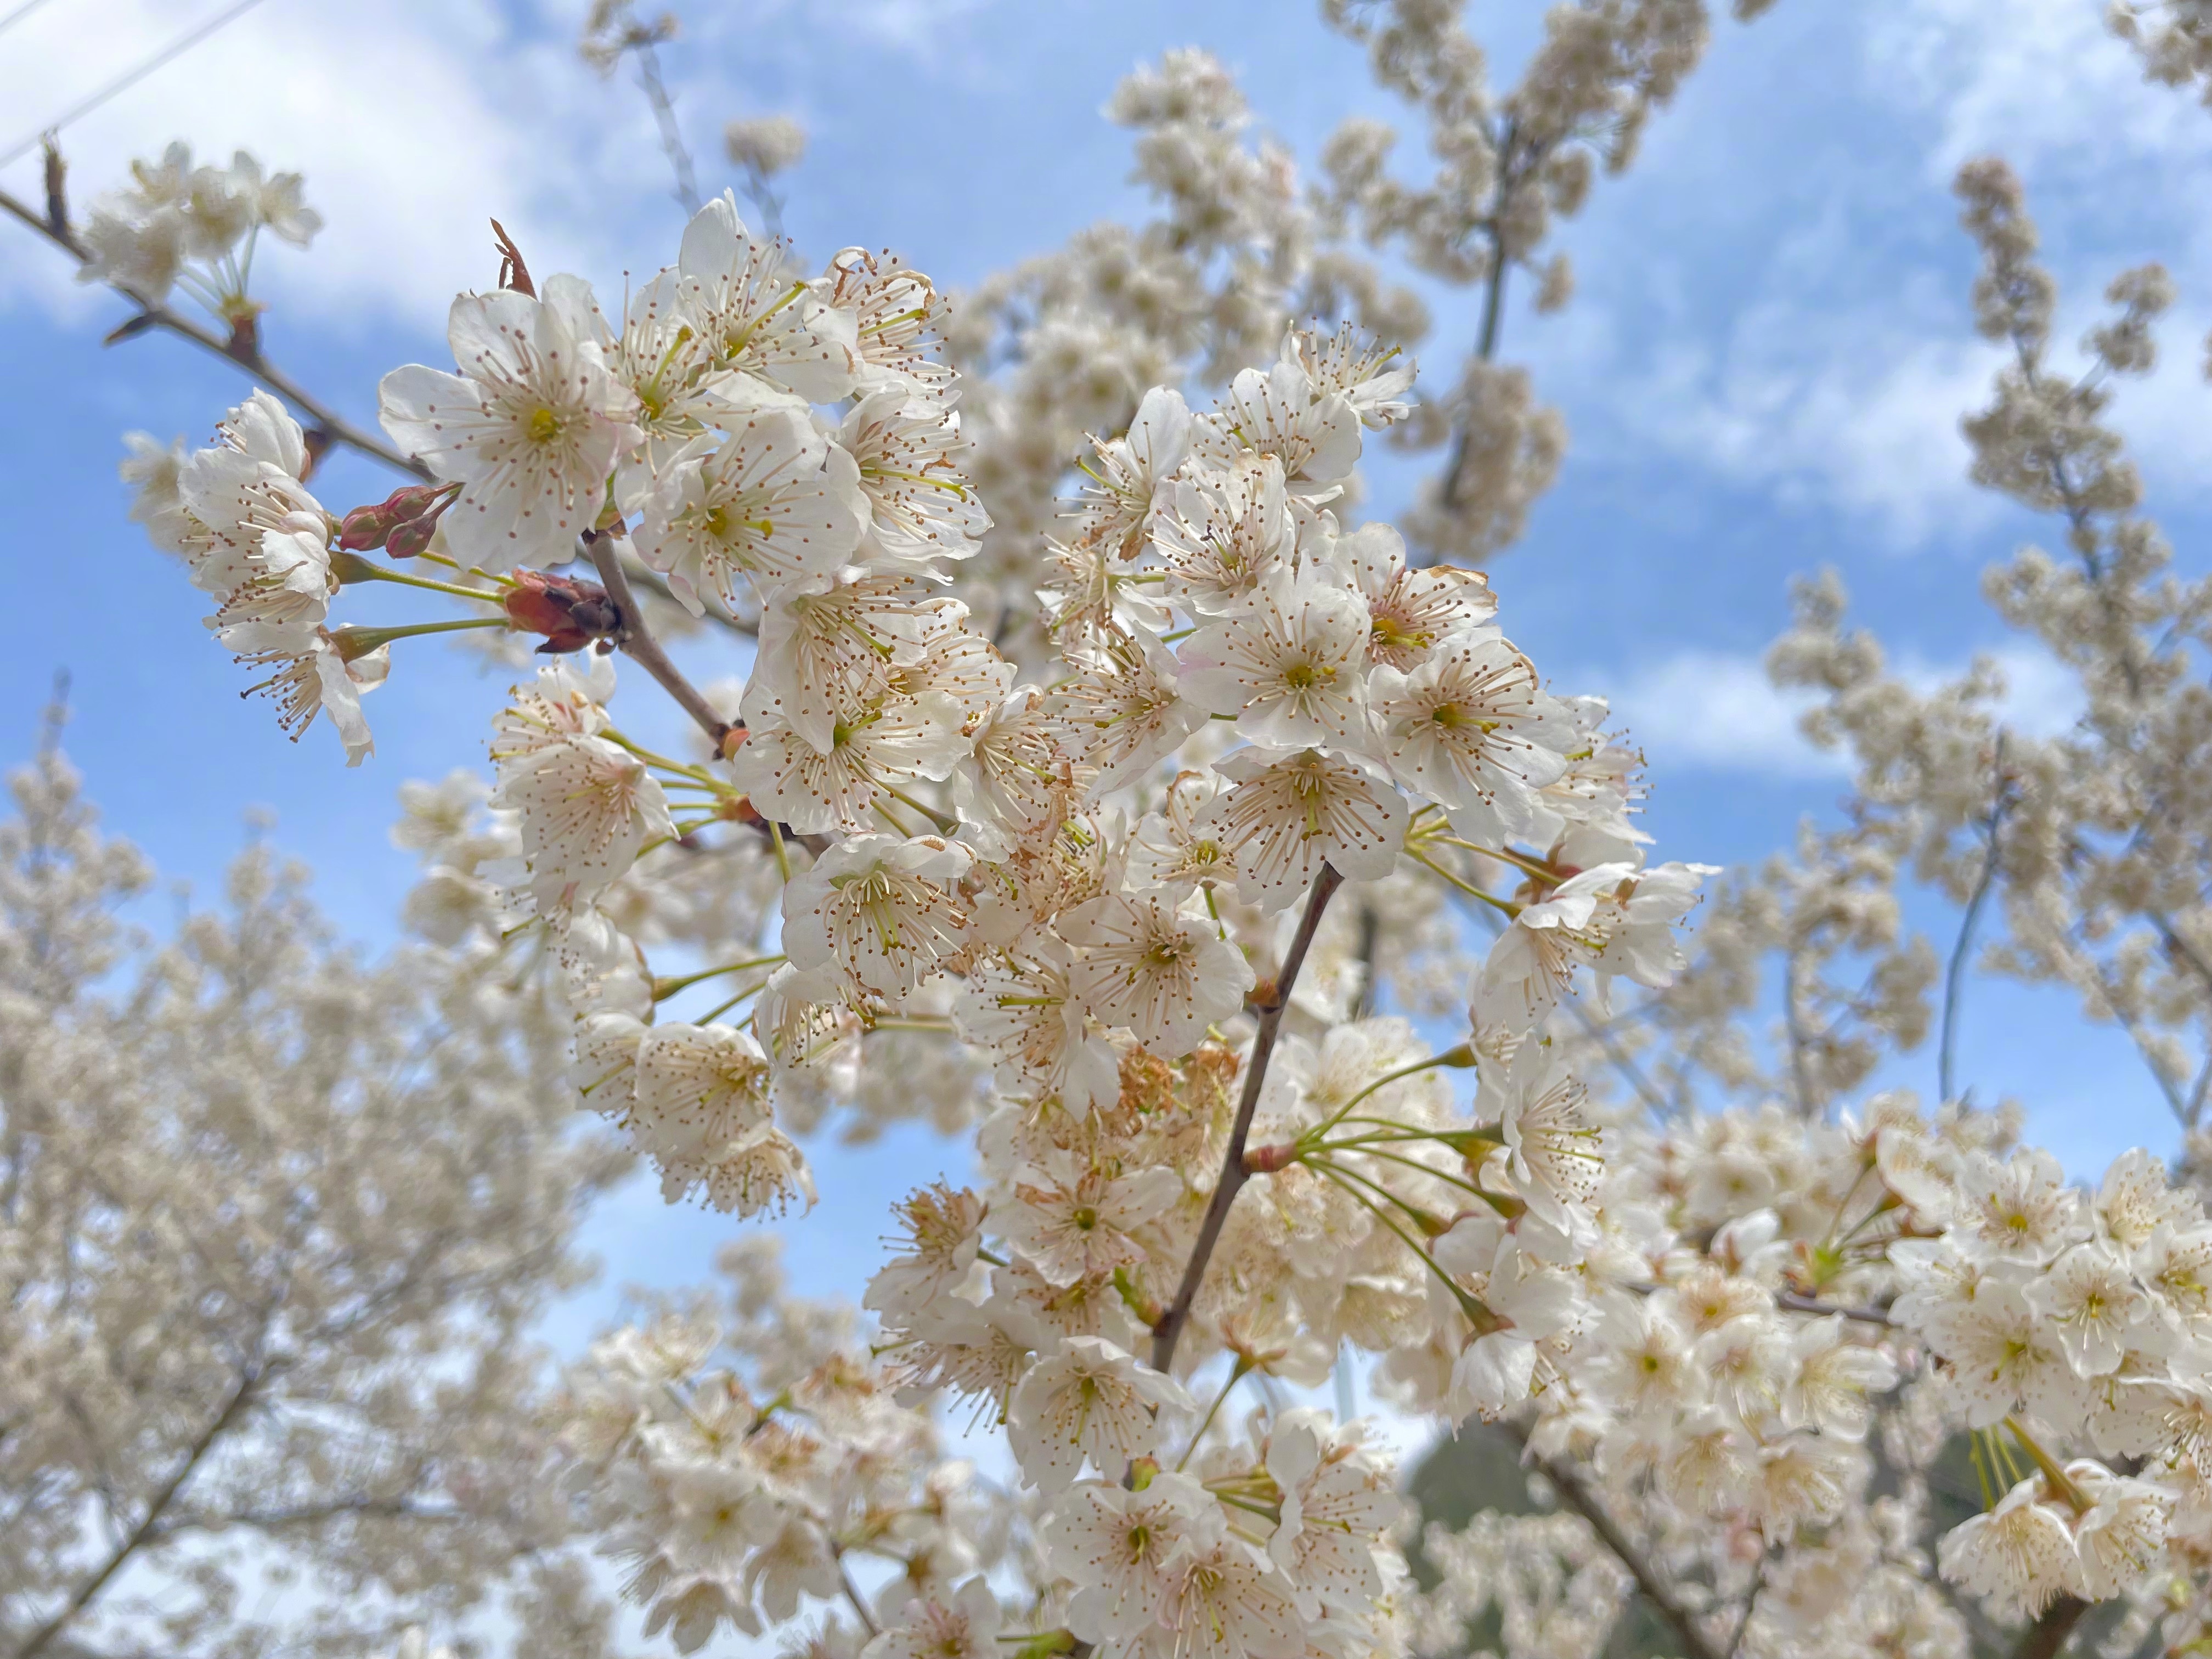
(19, 14)
(183, 44)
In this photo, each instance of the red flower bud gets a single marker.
(571, 614)
(371, 526)
(411, 537)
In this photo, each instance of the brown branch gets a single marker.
(2047, 1635)
(246, 354)
(638, 643)
(1954, 974)
(1579, 1497)
(152, 314)
(1271, 1000)
(1797, 1303)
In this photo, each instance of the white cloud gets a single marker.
(1713, 711)
(2037, 81)
(1847, 412)
(1710, 711)
(414, 122)
(1837, 371)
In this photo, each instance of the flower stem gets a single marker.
(665, 988)
(356, 642)
(1236, 1376)
(352, 568)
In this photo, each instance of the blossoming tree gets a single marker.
(1092, 836)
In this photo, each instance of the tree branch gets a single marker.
(1798, 1304)
(1657, 1590)
(319, 417)
(1271, 1002)
(638, 643)
(152, 314)
(249, 1382)
(1954, 974)
(2047, 1635)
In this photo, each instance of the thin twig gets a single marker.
(1955, 975)
(249, 1384)
(1271, 1002)
(852, 1595)
(664, 112)
(152, 314)
(319, 417)
(1798, 1304)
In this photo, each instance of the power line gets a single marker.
(20, 13)
(184, 43)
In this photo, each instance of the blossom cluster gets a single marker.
(177, 224)
(1072, 877)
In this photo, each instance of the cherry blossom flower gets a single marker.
(1165, 974)
(2020, 1556)
(1090, 1400)
(321, 677)
(759, 317)
(1470, 730)
(1075, 1222)
(1291, 811)
(907, 455)
(696, 1088)
(1552, 1152)
(777, 503)
(880, 909)
(1019, 1007)
(1135, 473)
(1288, 668)
(967, 1628)
(1121, 1548)
(877, 744)
(1229, 1601)
(531, 426)
(1122, 713)
(1275, 413)
(1226, 530)
(1411, 613)
(1337, 1503)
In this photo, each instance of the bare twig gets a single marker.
(671, 134)
(323, 422)
(1271, 1001)
(1798, 1304)
(1955, 975)
(1493, 298)
(153, 314)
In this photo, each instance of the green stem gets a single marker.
(1236, 1376)
(665, 988)
(945, 821)
(721, 1008)
(1477, 1312)
(2060, 1482)
(686, 768)
(1467, 888)
(354, 642)
(1463, 1055)
(352, 568)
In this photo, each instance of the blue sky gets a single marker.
(1762, 372)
